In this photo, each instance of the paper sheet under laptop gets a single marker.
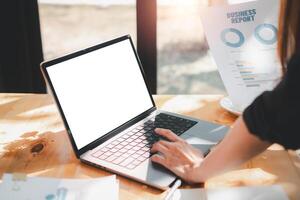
(32, 188)
(274, 192)
(243, 41)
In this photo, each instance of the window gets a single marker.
(185, 65)
(69, 25)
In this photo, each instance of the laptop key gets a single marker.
(125, 136)
(130, 133)
(120, 139)
(148, 133)
(131, 151)
(138, 140)
(134, 136)
(108, 153)
(147, 128)
(139, 134)
(149, 145)
(143, 137)
(140, 152)
(141, 158)
(136, 148)
(142, 131)
(119, 160)
(135, 130)
(120, 146)
(111, 158)
(133, 143)
(131, 166)
(98, 153)
(129, 140)
(104, 149)
(145, 148)
(109, 146)
(126, 161)
(129, 146)
(135, 156)
(148, 122)
(145, 142)
(126, 155)
(136, 162)
(146, 155)
(123, 150)
(117, 154)
(103, 157)
(124, 143)
(113, 150)
(115, 142)
(139, 127)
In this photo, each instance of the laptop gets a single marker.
(109, 114)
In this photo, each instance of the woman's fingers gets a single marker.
(160, 146)
(159, 159)
(167, 134)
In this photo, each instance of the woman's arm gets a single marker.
(238, 146)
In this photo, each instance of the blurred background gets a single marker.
(168, 35)
(184, 63)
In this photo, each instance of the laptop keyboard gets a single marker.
(132, 148)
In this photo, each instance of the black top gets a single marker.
(274, 115)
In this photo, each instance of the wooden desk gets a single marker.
(33, 141)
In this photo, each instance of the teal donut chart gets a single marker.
(231, 44)
(260, 27)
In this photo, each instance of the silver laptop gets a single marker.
(109, 113)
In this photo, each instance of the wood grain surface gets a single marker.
(33, 141)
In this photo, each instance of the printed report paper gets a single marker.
(20, 187)
(243, 41)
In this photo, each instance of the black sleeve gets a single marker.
(274, 115)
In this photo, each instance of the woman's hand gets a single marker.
(178, 156)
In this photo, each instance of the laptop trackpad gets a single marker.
(204, 148)
(157, 175)
(161, 177)
(202, 145)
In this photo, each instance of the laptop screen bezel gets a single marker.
(100, 140)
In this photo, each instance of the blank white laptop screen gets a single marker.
(100, 90)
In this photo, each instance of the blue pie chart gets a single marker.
(233, 44)
(261, 38)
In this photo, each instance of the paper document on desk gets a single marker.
(20, 187)
(239, 193)
(243, 41)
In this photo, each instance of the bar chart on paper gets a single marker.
(248, 76)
